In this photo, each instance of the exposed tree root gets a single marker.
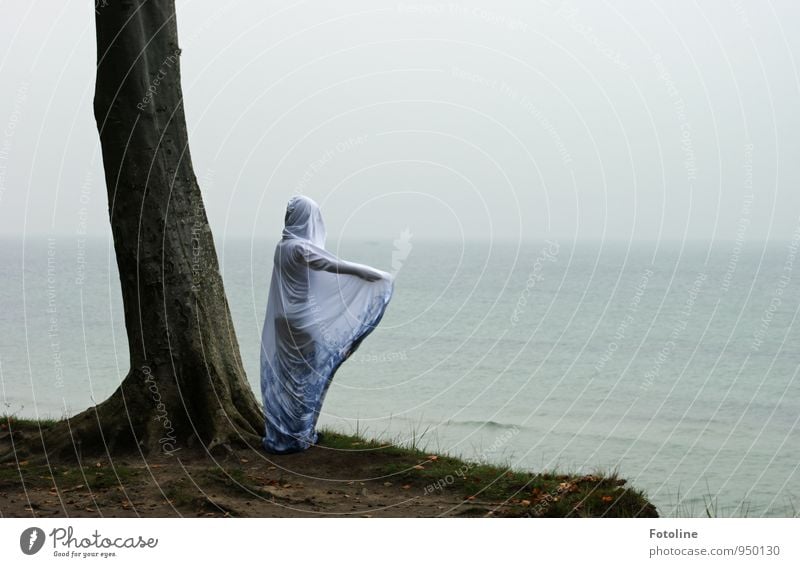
(135, 421)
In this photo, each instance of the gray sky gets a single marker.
(618, 120)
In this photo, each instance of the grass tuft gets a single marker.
(521, 493)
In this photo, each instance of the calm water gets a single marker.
(676, 365)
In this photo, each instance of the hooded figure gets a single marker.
(319, 310)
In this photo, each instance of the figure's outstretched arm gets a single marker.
(349, 268)
(316, 260)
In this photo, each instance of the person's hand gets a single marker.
(373, 275)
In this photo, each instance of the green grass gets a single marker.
(409, 465)
(548, 494)
(89, 477)
(10, 419)
(180, 497)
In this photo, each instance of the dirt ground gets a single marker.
(343, 476)
(319, 482)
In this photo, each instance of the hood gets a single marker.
(304, 220)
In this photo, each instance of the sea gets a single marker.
(672, 364)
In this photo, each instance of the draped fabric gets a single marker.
(319, 310)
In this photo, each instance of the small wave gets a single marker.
(478, 423)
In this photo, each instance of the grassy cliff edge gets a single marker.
(344, 475)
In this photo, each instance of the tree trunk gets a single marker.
(186, 385)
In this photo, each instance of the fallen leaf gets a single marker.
(525, 502)
(607, 498)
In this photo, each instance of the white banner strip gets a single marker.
(370, 542)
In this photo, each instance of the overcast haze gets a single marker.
(508, 120)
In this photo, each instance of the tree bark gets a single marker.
(186, 385)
